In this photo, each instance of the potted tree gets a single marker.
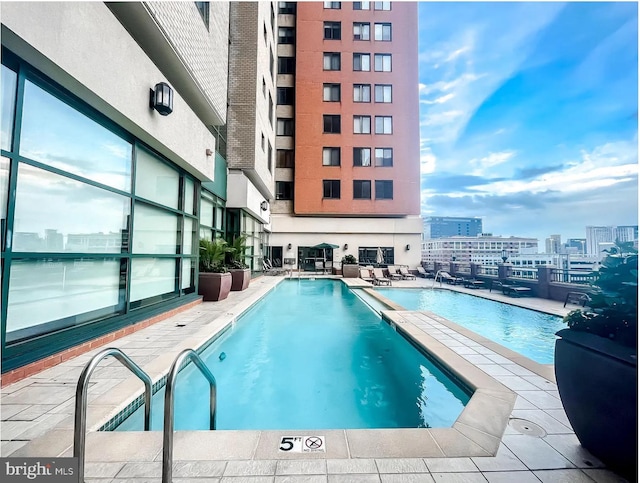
(350, 267)
(240, 272)
(214, 282)
(596, 364)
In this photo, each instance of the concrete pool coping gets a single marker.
(477, 431)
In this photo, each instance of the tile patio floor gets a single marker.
(36, 417)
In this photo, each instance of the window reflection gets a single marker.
(57, 214)
(154, 231)
(56, 134)
(155, 180)
(151, 277)
(9, 83)
(68, 292)
(4, 195)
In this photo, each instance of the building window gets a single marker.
(382, 62)
(269, 157)
(362, 62)
(360, 31)
(203, 8)
(361, 5)
(361, 92)
(286, 65)
(384, 125)
(287, 8)
(330, 156)
(331, 61)
(382, 5)
(284, 190)
(333, 5)
(331, 188)
(361, 189)
(262, 141)
(384, 157)
(383, 31)
(331, 92)
(331, 123)
(332, 30)
(271, 110)
(383, 92)
(362, 124)
(284, 158)
(284, 127)
(369, 255)
(264, 88)
(271, 64)
(285, 96)
(285, 35)
(361, 156)
(273, 18)
(384, 190)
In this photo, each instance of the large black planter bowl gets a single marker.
(598, 384)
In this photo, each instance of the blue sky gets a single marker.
(529, 115)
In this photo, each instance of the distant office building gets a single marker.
(552, 244)
(485, 249)
(579, 244)
(440, 227)
(608, 234)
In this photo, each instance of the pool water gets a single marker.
(525, 331)
(312, 355)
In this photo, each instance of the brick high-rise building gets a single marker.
(347, 132)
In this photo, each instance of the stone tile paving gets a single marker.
(540, 448)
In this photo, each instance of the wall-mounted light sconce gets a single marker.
(346, 246)
(161, 98)
(208, 152)
(289, 246)
(408, 247)
(264, 206)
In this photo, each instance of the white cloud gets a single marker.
(439, 100)
(493, 159)
(427, 160)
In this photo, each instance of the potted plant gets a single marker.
(350, 267)
(214, 282)
(596, 364)
(240, 272)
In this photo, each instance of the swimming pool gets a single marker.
(312, 355)
(525, 331)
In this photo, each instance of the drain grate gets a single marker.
(527, 427)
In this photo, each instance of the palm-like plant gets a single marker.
(212, 255)
(238, 252)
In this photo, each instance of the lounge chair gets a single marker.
(269, 269)
(447, 277)
(423, 273)
(406, 275)
(510, 289)
(365, 274)
(379, 277)
(473, 283)
(393, 273)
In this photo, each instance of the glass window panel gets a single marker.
(206, 212)
(188, 196)
(187, 242)
(4, 193)
(54, 213)
(56, 134)
(68, 292)
(154, 230)
(9, 84)
(188, 269)
(155, 180)
(151, 277)
(206, 233)
(219, 218)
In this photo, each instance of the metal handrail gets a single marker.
(167, 437)
(80, 423)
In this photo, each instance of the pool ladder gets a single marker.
(80, 420)
(435, 279)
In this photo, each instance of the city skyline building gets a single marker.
(439, 226)
(553, 244)
(484, 249)
(600, 237)
(347, 134)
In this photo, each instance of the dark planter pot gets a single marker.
(240, 278)
(350, 271)
(598, 384)
(214, 286)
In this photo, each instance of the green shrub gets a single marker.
(212, 255)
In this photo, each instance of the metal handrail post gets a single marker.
(80, 422)
(167, 436)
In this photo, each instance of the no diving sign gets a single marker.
(302, 444)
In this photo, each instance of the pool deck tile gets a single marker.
(515, 385)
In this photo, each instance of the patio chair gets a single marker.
(510, 288)
(393, 273)
(423, 273)
(448, 278)
(365, 274)
(379, 277)
(406, 275)
(473, 283)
